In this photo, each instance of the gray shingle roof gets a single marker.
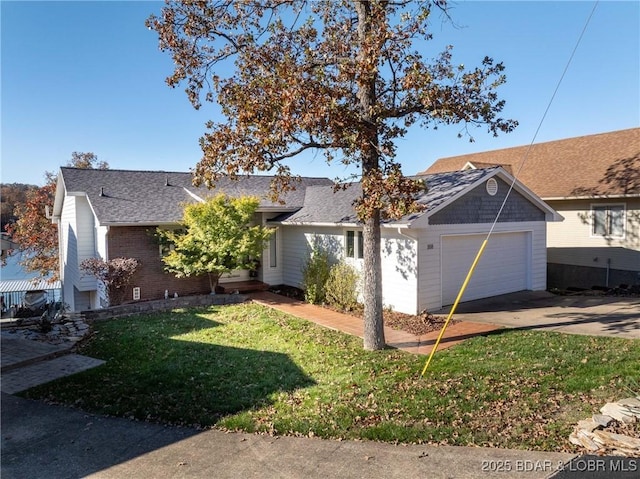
(157, 197)
(322, 205)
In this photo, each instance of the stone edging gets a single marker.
(162, 305)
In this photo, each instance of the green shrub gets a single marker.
(341, 289)
(314, 276)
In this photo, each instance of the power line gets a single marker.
(504, 202)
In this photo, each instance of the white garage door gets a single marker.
(504, 267)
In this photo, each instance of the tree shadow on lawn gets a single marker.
(172, 370)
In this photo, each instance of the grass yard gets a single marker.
(249, 368)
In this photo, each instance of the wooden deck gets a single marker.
(241, 287)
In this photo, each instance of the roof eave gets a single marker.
(139, 223)
(591, 197)
(277, 209)
(315, 223)
(59, 198)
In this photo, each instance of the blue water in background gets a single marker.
(13, 270)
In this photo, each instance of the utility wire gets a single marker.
(544, 116)
(504, 202)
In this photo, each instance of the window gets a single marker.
(608, 220)
(273, 250)
(165, 249)
(166, 246)
(355, 244)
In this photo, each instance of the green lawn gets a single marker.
(250, 368)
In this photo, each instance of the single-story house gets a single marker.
(594, 182)
(425, 256)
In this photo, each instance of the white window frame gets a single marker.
(165, 249)
(358, 244)
(273, 249)
(608, 207)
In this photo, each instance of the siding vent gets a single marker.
(492, 186)
(136, 293)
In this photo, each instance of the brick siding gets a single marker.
(138, 242)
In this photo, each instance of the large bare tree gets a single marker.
(347, 77)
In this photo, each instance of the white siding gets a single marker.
(269, 274)
(101, 242)
(572, 242)
(69, 273)
(429, 257)
(399, 272)
(77, 235)
(86, 240)
(297, 244)
(398, 253)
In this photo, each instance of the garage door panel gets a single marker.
(503, 268)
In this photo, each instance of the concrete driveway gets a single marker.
(589, 315)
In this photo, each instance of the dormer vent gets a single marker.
(492, 186)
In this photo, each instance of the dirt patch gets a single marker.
(415, 324)
(421, 324)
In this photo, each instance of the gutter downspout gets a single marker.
(405, 234)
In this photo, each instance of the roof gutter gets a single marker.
(334, 225)
(591, 197)
(405, 234)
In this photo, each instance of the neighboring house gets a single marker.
(425, 256)
(594, 182)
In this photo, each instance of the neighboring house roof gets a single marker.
(606, 164)
(128, 197)
(11, 286)
(442, 189)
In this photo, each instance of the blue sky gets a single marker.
(88, 76)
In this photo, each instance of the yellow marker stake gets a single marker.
(455, 304)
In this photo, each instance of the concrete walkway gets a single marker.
(423, 344)
(25, 363)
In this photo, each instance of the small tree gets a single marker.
(114, 274)
(216, 237)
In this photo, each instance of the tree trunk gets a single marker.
(213, 281)
(373, 321)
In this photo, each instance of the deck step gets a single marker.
(241, 287)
